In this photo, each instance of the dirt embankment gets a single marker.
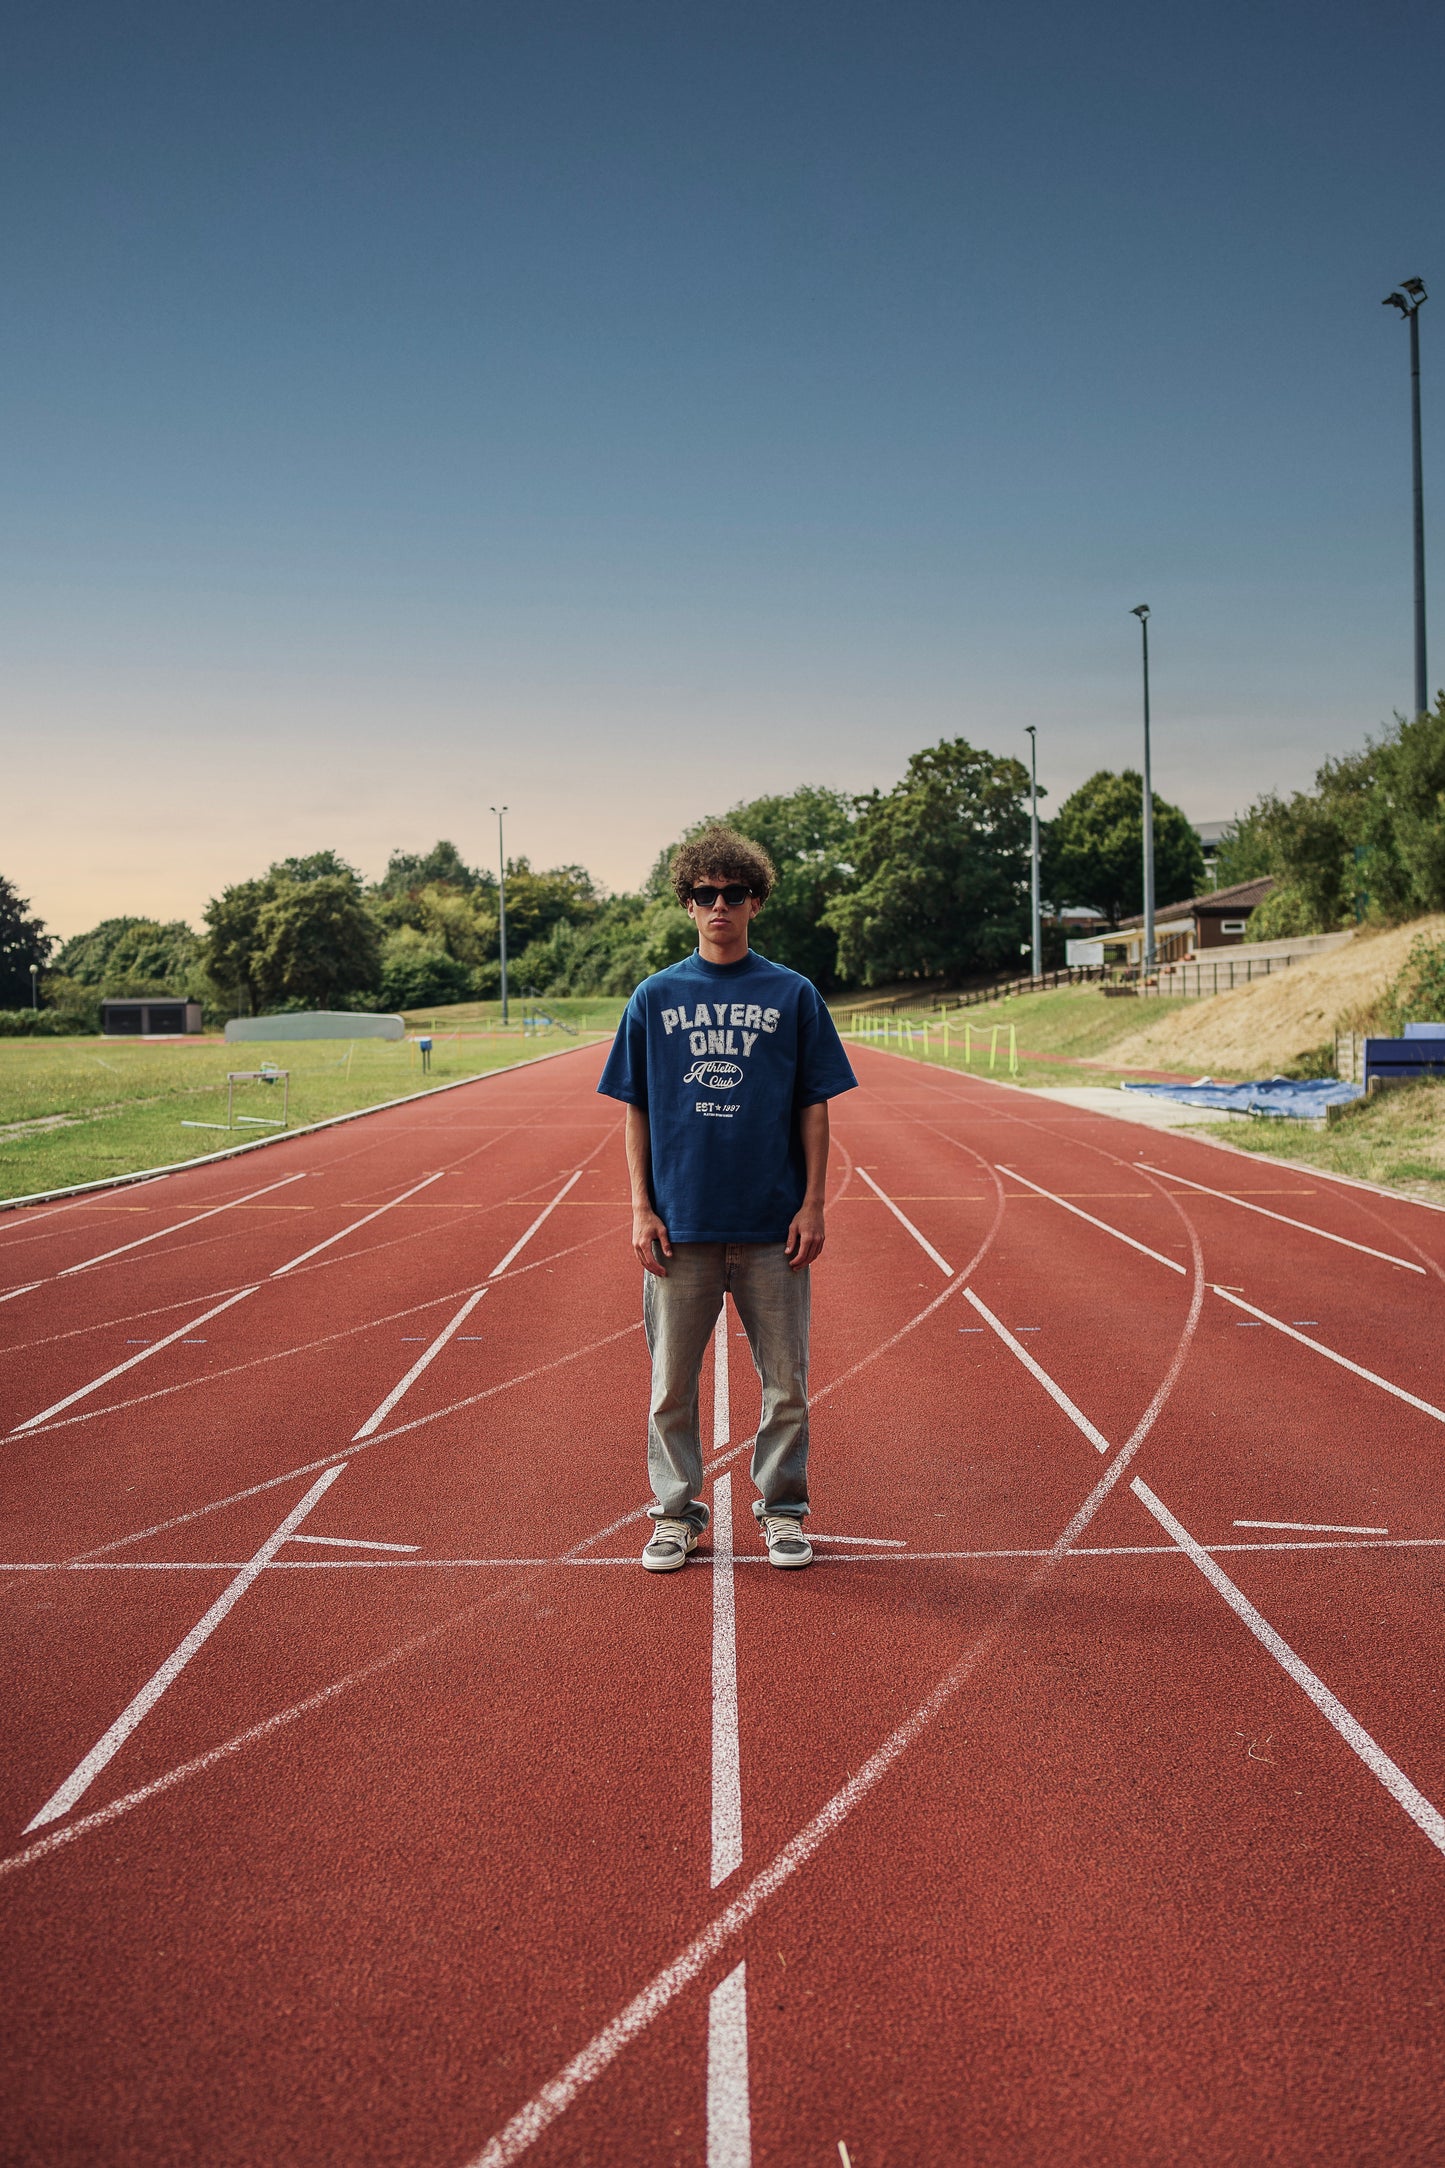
(1260, 1028)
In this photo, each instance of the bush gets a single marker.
(42, 1024)
(416, 971)
(1418, 994)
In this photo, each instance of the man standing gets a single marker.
(726, 1064)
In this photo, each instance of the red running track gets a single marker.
(363, 1800)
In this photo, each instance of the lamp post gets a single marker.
(1035, 925)
(35, 987)
(1407, 299)
(1142, 613)
(499, 810)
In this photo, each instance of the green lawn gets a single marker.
(78, 1110)
(1073, 1026)
(1396, 1137)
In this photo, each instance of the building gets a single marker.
(1211, 834)
(1183, 932)
(149, 1016)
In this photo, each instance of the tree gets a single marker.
(808, 834)
(416, 972)
(301, 934)
(943, 870)
(23, 942)
(536, 902)
(1093, 848)
(441, 867)
(134, 954)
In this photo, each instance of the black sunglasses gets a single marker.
(705, 896)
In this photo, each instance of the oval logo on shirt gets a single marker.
(716, 1076)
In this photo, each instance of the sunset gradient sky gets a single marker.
(623, 411)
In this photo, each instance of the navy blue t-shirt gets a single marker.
(721, 1058)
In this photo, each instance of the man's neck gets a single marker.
(713, 952)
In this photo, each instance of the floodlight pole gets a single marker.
(499, 810)
(1035, 924)
(35, 988)
(1408, 299)
(1142, 613)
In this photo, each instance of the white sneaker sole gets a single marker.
(665, 1565)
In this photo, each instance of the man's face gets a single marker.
(720, 920)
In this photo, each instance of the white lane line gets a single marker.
(902, 1217)
(1422, 1813)
(1371, 1377)
(727, 1781)
(354, 1543)
(141, 1240)
(882, 1543)
(1426, 1817)
(1078, 1212)
(28, 1289)
(426, 1356)
(1283, 1218)
(1315, 1528)
(729, 2119)
(84, 1774)
(154, 1348)
(544, 1215)
(722, 1414)
(1055, 1392)
(700, 1560)
(365, 1221)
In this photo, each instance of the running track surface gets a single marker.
(364, 1802)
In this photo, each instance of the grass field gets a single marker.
(1396, 1137)
(79, 1110)
(1065, 1036)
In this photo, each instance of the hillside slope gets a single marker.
(1258, 1029)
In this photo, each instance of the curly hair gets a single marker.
(721, 852)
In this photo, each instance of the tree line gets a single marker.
(928, 880)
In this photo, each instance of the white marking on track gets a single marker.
(1315, 1528)
(154, 1348)
(29, 1288)
(886, 1543)
(1283, 1218)
(544, 1215)
(727, 1787)
(1078, 1212)
(355, 1543)
(139, 1707)
(729, 2117)
(722, 1415)
(904, 1221)
(140, 1241)
(365, 1221)
(427, 1355)
(1055, 1392)
(1426, 1817)
(1371, 1377)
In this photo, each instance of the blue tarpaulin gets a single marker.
(1279, 1097)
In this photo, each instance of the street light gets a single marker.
(1035, 928)
(499, 810)
(1142, 613)
(1407, 299)
(34, 987)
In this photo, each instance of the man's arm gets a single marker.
(805, 1235)
(647, 1228)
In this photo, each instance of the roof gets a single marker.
(1242, 897)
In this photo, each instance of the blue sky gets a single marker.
(624, 411)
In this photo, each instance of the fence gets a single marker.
(1168, 982)
(938, 1039)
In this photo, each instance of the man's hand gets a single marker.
(647, 1228)
(805, 1236)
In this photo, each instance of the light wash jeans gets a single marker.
(679, 1314)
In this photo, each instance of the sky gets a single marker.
(618, 413)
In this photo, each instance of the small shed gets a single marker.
(149, 1016)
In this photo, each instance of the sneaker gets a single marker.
(787, 1545)
(668, 1546)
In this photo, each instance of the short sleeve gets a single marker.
(824, 1070)
(624, 1076)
